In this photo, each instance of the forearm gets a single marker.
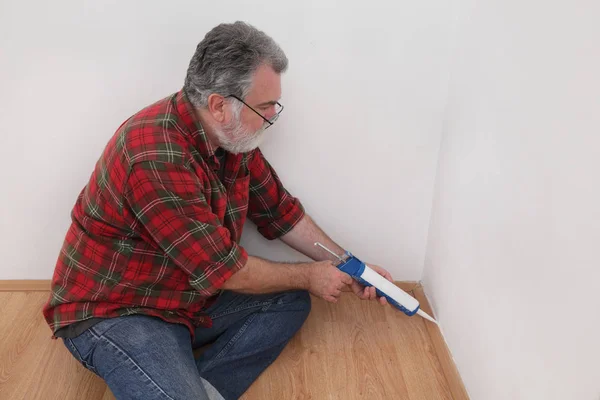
(264, 276)
(303, 237)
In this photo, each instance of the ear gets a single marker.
(216, 107)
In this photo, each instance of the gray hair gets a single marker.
(226, 59)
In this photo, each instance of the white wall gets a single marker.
(358, 140)
(512, 265)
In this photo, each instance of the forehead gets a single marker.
(266, 85)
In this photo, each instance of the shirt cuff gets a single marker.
(282, 225)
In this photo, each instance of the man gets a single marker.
(151, 267)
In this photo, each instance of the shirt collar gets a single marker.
(195, 131)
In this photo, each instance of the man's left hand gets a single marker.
(368, 293)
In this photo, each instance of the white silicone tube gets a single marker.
(387, 287)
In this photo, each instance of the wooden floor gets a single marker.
(350, 350)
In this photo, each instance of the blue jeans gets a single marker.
(142, 357)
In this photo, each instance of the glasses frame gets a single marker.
(269, 121)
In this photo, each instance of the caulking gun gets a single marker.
(366, 276)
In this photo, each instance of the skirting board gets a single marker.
(25, 285)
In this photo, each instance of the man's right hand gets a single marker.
(326, 281)
(320, 278)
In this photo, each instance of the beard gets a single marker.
(236, 139)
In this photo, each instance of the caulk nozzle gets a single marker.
(426, 316)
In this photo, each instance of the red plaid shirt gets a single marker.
(155, 231)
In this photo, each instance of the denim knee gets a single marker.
(298, 300)
(304, 300)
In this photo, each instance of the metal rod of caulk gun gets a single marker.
(329, 251)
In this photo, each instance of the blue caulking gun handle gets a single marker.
(384, 288)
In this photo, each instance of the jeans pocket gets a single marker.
(81, 345)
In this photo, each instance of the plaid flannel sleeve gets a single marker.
(167, 199)
(271, 207)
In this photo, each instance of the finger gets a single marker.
(347, 279)
(330, 299)
(358, 290)
(373, 293)
(383, 301)
(383, 272)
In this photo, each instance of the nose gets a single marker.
(270, 113)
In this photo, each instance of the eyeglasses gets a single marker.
(270, 121)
